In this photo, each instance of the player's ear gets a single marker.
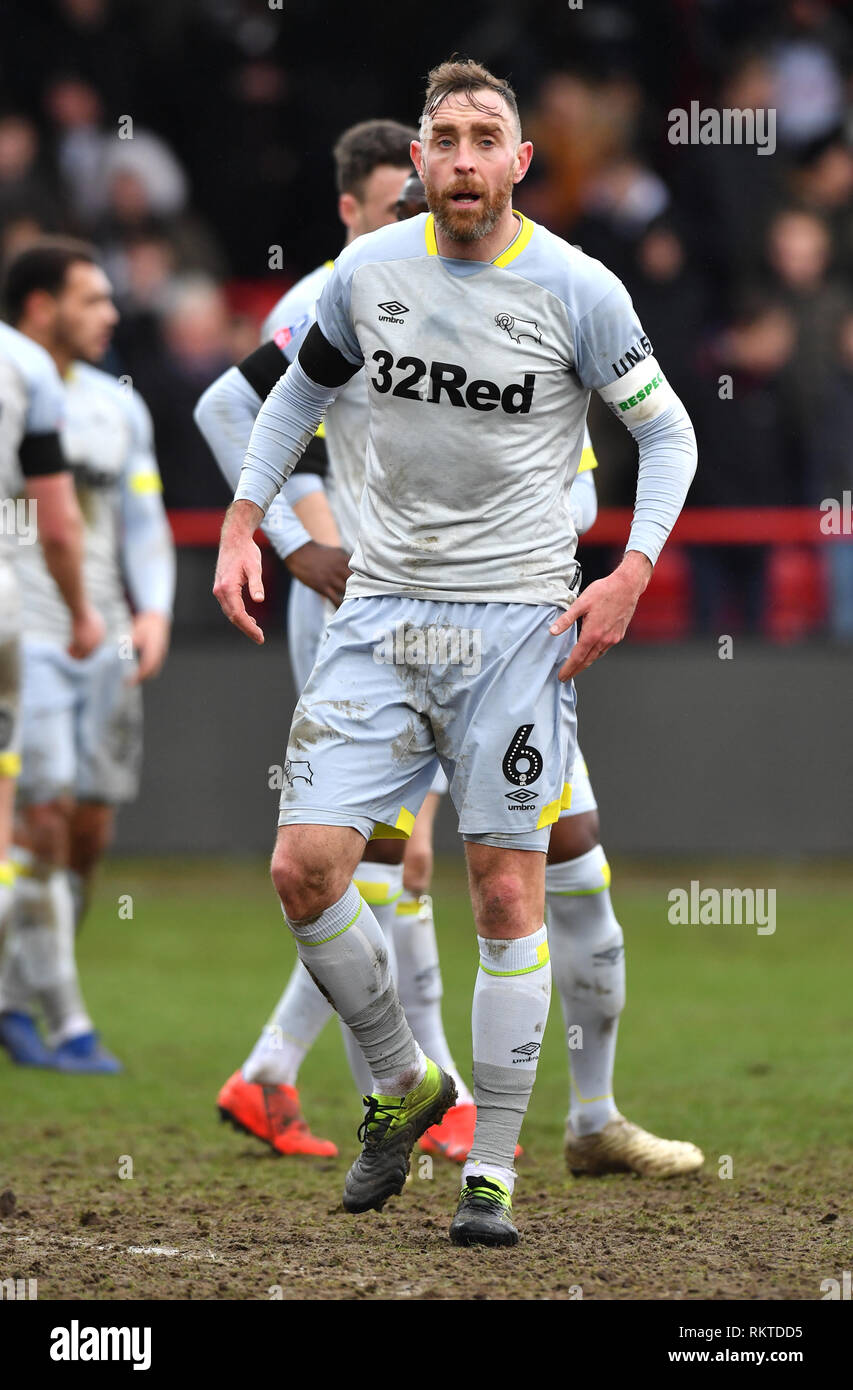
(523, 158)
(416, 151)
(40, 307)
(348, 209)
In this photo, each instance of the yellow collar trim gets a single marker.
(514, 249)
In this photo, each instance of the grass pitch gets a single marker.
(737, 1041)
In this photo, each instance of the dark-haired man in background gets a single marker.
(82, 721)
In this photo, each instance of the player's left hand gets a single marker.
(607, 608)
(239, 566)
(151, 633)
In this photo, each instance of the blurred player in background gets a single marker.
(464, 526)
(314, 532)
(82, 722)
(38, 506)
(588, 963)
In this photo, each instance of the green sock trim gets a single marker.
(324, 939)
(577, 892)
(526, 970)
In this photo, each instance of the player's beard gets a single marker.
(471, 224)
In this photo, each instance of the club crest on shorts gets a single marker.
(296, 769)
(518, 328)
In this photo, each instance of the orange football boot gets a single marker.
(272, 1114)
(454, 1136)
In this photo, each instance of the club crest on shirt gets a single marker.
(518, 328)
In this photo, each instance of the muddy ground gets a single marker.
(775, 1234)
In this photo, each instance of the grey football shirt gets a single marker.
(32, 402)
(478, 378)
(107, 438)
(345, 425)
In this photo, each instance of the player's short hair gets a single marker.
(42, 266)
(465, 75)
(364, 147)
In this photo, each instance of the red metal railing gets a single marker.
(695, 526)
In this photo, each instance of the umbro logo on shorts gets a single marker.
(523, 799)
(393, 309)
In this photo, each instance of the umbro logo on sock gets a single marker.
(610, 956)
(526, 1052)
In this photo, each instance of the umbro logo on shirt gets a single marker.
(393, 310)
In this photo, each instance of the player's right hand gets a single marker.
(324, 568)
(239, 566)
(87, 632)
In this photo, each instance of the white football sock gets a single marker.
(588, 959)
(296, 1022)
(380, 885)
(419, 983)
(511, 999)
(7, 894)
(43, 930)
(79, 896)
(302, 1011)
(15, 992)
(345, 952)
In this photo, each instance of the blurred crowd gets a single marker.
(190, 138)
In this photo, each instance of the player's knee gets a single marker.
(303, 883)
(501, 900)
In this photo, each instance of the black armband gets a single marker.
(263, 367)
(322, 362)
(41, 454)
